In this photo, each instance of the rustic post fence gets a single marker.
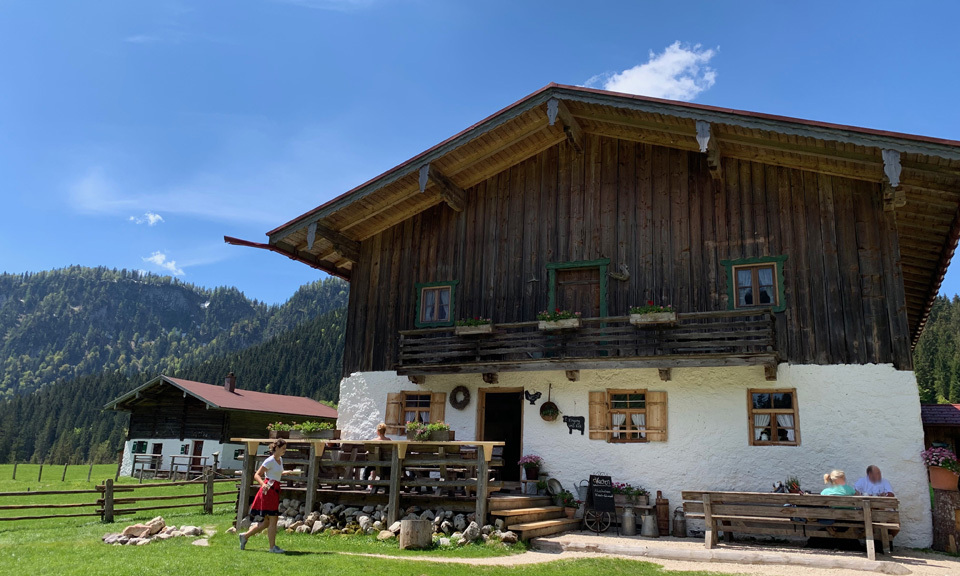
(14, 469)
(208, 492)
(108, 500)
(40, 474)
(89, 470)
(63, 478)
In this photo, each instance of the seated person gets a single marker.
(369, 472)
(873, 484)
(837, 485)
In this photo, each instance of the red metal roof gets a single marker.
(251, 401)
(940, 414)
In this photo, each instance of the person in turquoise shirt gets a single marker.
(837, 485)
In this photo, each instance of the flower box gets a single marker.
(280, 434)
(565, 324)
(473, 330)
(653, 318)
(317, 435)
(434, 436)
(622, 500)
(943, 479)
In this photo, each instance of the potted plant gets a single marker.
(943, 467)
(313, 429)
(558, 320)
(541, 486)
(568, 502)
(432, 432)
(531, 464)
(549, 411)
(279, 429)
(625, 494)
(473, 326)
(792, 485)
(652, 314)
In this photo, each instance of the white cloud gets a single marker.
(159, 259)
(680, 72)
(148, 218)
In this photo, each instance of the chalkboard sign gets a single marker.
(600, 494)
(574, 423)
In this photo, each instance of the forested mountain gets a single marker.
(122, 328)
(936, 359)
(61, 324)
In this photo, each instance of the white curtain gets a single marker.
(618, 421)
(786, 421)
(409, 417)
(640, 423)
(761, 423)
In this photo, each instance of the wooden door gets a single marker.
(196, 463)
(578, 290)
(157, 455)
(500, 419)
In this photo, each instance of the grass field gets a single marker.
(72, 545)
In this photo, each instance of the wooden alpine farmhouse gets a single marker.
(177, 425)
(801, 259)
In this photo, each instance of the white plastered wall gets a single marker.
(171, 447)
(850, 416)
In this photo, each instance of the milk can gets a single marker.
(628, 522)
(679, 523)
(649, 527)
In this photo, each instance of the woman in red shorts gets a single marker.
(267, 501)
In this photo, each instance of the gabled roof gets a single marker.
(329, 236)
(940, 414)
(239, 400)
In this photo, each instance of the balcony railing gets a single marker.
(728, 338)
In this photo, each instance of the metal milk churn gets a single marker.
(679, 523)
(628, 522)
(649, 527)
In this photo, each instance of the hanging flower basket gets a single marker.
(943, 479)
(549, 411)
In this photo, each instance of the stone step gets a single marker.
(544, 527)
(513, 502)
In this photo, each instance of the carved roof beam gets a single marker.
(452, 194)
(557, 109)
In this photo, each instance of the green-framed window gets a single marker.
(139, 447)
(435, 303)
(755, 283)
(601, 265)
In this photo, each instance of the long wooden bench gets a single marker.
(800, 515)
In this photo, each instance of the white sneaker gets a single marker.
(277, 550)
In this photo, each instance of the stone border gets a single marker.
(726, 556)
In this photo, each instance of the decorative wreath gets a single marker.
(460, 397)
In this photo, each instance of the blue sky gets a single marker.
(136, 134)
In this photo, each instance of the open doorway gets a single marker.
(196, 463)
(501, 419)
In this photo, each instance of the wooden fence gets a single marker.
(113, 500)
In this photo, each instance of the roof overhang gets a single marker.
(919, 176)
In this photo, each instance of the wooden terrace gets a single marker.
(697, 339)
(402, 467)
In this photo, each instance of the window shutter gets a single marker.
(656, 416)
(598, 415)
(438, 404)
(394, 410)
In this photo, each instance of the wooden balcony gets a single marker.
(698, 339)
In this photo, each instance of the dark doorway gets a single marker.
(578, 290)
(155, 462)
(196, 463)
(503, 421)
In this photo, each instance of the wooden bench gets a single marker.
(801, 515)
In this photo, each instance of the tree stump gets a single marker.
(416, 534)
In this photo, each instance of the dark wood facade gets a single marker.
(167, 413)
(659, 212)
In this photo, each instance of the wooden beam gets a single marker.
(770, 371)
(452, 194)
(417, 379)
(573, 375)
(711, 147)
(348, 248)
(491, 377)
(664, 374)
(557, 109)
(292, 253)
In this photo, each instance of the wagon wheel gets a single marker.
(596, 521)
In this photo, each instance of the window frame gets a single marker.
(641, 436)
(420, 287)
(795, 412)
(419, 409)
(732, 293)
(602, 264)
(133, 447)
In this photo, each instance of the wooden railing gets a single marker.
(395, 465)
(725, 338)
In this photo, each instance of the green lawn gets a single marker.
(73, 546)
